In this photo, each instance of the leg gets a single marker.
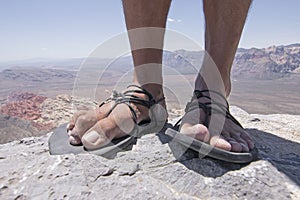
(140, 15)
(224, 24)
(147, 73)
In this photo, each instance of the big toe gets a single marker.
(93, 140)
(100, 134)
(198, 131)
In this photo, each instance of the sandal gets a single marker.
(58, 142)
(201, 147)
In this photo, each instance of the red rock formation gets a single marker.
(42, 113)
(25, 106)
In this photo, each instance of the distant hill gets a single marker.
(59, 77)
(267, 63)
(36, 74)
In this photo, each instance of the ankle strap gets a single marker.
(199, 94)
(128, 97)
(141, 90)
(209, 107)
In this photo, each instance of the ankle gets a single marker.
(224, 88)
(157, 93)
(155, 90)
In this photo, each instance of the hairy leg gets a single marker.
(224, 24)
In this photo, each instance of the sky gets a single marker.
(74, 28)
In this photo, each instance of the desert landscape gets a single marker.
(264, 81)
(38, 97)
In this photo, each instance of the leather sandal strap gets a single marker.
(210, 107)
(129, 97)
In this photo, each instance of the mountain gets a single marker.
(280, 64)
(182, 61)
(35, 74)
(267, 63)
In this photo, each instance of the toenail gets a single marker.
(92, 136)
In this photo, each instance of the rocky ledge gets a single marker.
(153, 169)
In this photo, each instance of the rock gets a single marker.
(267, 63)
(13, 128)
(25, 106)
(151, 171)
(27, 114)
(60, 109)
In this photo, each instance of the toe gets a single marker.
(93, 140)
(80, 123)
(225, 141)
(239, 138)
(245, 136)
(75, 140)
(235, 145)
(73, 120)
(100, 134)
(220, 142)
(198, 131)
(242, 143)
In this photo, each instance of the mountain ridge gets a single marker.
(272, 62)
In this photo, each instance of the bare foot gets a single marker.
(96, 128)
(230, 136)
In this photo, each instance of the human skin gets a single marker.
(223, 28)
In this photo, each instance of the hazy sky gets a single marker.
(73, 28)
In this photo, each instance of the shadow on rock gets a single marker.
(283, 154)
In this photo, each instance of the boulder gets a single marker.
(153, 169)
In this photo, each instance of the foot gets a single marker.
(96, 128)
(222, 133)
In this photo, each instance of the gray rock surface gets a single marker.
(13, 128)
(151, 171)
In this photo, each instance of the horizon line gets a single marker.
(39, 59)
